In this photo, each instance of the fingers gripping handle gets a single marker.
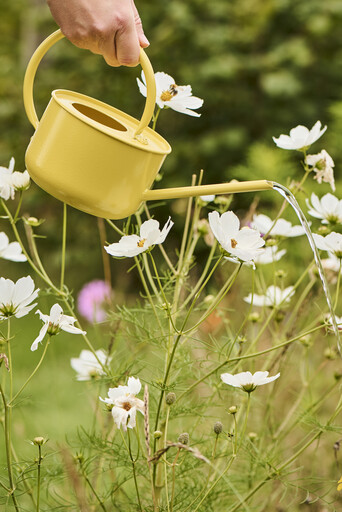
(39, 54)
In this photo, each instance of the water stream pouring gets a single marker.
(290, 198)
(102, 161)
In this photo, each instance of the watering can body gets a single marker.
(74, 157)
(89, 154)
(98, 159)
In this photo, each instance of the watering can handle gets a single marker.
(39, 54)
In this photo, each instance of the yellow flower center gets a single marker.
(233, 243)
(168, 95)
(141, 242)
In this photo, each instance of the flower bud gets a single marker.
(270, 242)
(233, 409)
(170, 398)
(338, 375)
(183, 438)
(279, 316)
(330, 353)
(323, 230)
(218, 427)
(208, 299)
(33, 221)
(252, 436)
(254, 317)
(280, 274)
(165, 306)
(223, 200)
(39, 441)
(157, 434)
(79, 457)
(306, 341)
(203, 227)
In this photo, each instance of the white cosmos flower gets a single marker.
(20, 180)
(300, 137)
(177, 97)
(274, 297)
(6, 189)
(16, 298)
(132, 245)
(331, 243)
(244, 244)
(323, 165)
(281, 227)
(54, 323)
(125, 404)
(329, 208)
(88, 366)
(269, 255)
(10, 251)
(248, 381)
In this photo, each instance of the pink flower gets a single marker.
(91, 300)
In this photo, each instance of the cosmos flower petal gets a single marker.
(23, 289)
(247, 381)
(13, 252)
(120, 417)
(40, 337)
(134, 385)
(230, 379)
(300, 137)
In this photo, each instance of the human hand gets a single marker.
(111, 28)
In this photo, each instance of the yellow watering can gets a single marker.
(95, 157)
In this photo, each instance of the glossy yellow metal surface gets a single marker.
(89, 154)
(95, 157)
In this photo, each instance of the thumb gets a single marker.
(144, 42)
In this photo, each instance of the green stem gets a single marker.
(63, 245)
(179, 273)
(133, 470)
(38, 475)
(200, 280)
(144, 283)
(220, 296)
(174, 480)
(216, 482)
(112, 225)
(7, 428)
(155, 117)
(18, 238)
(97, 497)
(32, 374)
(18, 207)
(248, 356)
(169, 314)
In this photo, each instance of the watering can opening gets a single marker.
(99, 117)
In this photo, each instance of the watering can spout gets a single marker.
(202, 190)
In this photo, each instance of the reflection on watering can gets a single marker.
(98, 159)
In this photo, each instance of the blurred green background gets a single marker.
(261, 66)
